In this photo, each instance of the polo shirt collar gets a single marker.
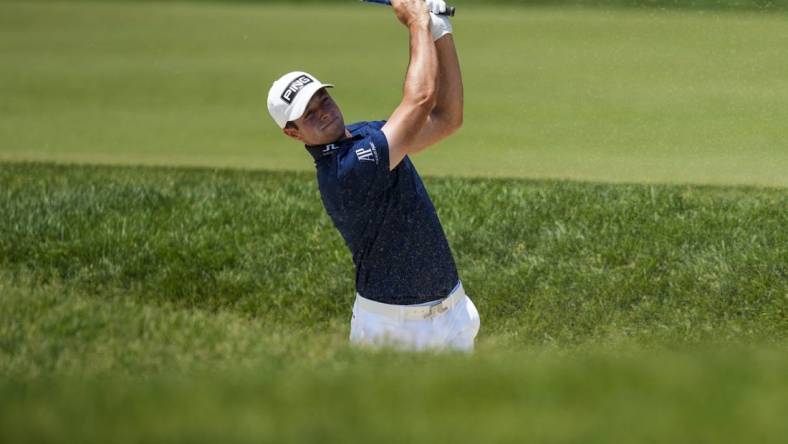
(320, 151)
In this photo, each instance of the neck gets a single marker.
(328, 149)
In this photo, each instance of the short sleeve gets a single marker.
(366, 164)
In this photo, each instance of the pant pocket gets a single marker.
(375, 330)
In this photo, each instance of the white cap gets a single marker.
(289, 96)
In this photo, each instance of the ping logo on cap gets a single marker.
(294, 87)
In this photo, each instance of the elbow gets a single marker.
(426, 103)
(425, 100)
(456, 121)
(453, 123)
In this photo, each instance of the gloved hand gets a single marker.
(439, 25)
(436, 6)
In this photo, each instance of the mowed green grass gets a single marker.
(605, 95)
(177, 305)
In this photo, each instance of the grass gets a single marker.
(588, 259)
(648, 95)
(170, 305)
(515, 397)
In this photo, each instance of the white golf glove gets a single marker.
(439, 26)
(436, 6)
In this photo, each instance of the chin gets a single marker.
(336, 132)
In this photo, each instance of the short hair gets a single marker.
(291, 125)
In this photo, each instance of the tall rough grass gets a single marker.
(546, 261)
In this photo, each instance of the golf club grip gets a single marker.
(450, 10)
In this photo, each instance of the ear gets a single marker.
(294, 133)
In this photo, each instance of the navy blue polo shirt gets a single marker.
(386, 218)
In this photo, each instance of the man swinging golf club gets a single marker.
(408, 292)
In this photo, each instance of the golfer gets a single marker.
(408, 291)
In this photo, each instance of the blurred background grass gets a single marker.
(702, 5)
(618, 95)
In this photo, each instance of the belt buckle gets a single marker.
(436, 310)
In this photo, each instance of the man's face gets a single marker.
(321, 123)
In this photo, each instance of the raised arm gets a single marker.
(446, 117)
(420, 93)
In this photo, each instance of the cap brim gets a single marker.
(303, 98)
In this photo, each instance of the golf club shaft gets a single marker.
(449, 9)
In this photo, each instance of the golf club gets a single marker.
(450, 10)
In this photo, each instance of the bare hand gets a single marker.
(411, 12)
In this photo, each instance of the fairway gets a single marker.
(604, 95)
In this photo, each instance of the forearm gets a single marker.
(446, 117)
(449, 101)
(420, 86)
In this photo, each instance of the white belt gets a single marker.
(412, 311)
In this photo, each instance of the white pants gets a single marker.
(447, 324)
